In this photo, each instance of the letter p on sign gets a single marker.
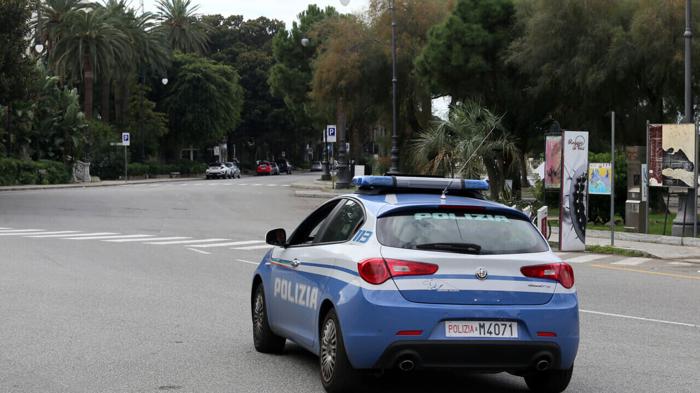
(126, 139)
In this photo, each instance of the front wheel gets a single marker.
(337, 374)
(553, 381)
(264, 339)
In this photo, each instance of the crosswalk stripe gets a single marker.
(631, 261)
(76, 234)
(257, 185)
(244, 184)
(285, 185)
(188, 241)
(4, 228)
(36, 233)
(586, 258)
(149, 239)
(252, 247)
(227, 244)
(108, 237)
(20, 230)
(272, 185)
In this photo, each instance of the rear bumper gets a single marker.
(487, 355)
(372, 341)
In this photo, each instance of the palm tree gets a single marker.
(147, 52)
(52, 16)
(181, 27)
(470, 142)
(87, 47)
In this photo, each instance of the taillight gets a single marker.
(378, 270)
(560, 272)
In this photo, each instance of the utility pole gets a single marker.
(394, 93)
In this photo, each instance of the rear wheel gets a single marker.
(337, 374)
(264, 339)
(553, 381)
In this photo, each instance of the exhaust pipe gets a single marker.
(406, 365)
(543, 365)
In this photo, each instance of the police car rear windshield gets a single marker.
(459, 231)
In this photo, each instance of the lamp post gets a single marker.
(394, 169)
(680, 224)
(325, 175)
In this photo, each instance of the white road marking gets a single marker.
(20, 230)
(257, 185)
(249, 262)
(244, 184)
(199, 251)
(285, 185)
(36, 233)
(189, 241)
(149, 239)
(108, 237)
(4, 228)
(586, 258)
(77, 234)
(252, 247)
(632, 261)
(639, 318)
(228, 244)
(680, 263)
(272, 185)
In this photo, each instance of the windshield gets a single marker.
(216, 164)
(460, 232)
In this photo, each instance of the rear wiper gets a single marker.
(467, 248)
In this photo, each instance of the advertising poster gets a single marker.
(656, 154)
(574, 186)
(672, 155)
(552, 162)
(599, 178)
(678, 144)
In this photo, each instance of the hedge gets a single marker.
(13, 172)
(155, 168)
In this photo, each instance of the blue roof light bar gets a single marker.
(434, 183)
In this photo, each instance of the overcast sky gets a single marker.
(284, 10)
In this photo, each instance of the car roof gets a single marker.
(378, 204)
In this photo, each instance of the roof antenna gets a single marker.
(443, 196)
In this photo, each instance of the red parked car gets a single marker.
(264, 168)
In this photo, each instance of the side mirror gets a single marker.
(277, 237)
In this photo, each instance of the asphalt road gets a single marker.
(121, 307)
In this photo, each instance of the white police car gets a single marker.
(413, 273)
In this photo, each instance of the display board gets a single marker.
(599, 178)
(552, 162)
(671, 155)
(574, 181)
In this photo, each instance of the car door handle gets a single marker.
(295, 262)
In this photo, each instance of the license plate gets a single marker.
(481, 329)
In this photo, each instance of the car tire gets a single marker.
(552, 381)
(264, 339)
(337, 374)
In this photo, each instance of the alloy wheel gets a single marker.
(329, 348)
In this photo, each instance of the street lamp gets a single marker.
(164, 81)
(305, 42)
(39, 47)
(394, 90)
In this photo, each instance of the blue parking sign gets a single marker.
(331, 131)
(126, 139)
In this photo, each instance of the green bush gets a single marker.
(13, 172)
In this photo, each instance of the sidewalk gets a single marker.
(315, 188)
(662, 247)
(104, 183)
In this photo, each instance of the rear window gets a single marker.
(459, 231)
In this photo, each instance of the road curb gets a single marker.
(35, 187)
(315, 194)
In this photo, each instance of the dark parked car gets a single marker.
(285, 166)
